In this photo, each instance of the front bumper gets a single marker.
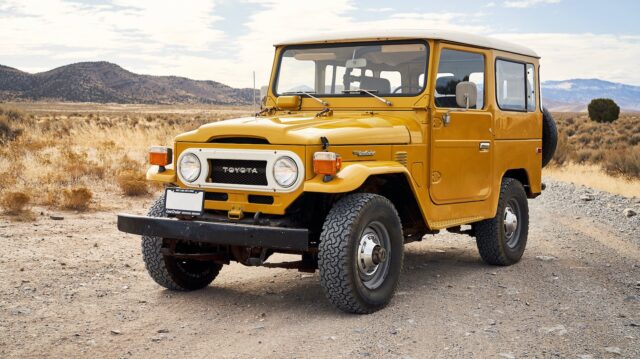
(296, 239)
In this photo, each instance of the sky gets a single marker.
(225, 41)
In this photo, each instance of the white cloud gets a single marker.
(162, 38)
(568, 56)
(146, 26)
(528, 3)
(380, 9)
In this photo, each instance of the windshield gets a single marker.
(386, 69)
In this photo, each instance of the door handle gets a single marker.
(484, 146)
(446, 119)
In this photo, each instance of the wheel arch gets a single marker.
(389, 179)
(522, 176)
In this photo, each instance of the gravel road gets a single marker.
(78, 288)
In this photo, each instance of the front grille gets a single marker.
(242, 172)
(254, 198)
(215, 196)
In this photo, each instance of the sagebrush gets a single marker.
(64, 159)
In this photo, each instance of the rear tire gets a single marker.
(361, 252)
(170, 272)
(502, 240)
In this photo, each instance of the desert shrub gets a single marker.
(131, 178)
(603, 110)
(564, 150)
(77, 198)
(132, 183)
(14, 115)
(77, 165)
(624, 162)
(15, 202)
(8, 132)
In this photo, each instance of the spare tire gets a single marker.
(549, 137)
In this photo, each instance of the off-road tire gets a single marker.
(490, 233)
(549, 137)
(339, 240)
(170, 272)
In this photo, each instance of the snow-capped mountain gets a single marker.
(575, 95)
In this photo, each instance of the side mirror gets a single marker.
(466, 94)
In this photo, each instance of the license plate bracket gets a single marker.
(183, 201)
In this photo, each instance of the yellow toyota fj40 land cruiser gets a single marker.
(365, 142)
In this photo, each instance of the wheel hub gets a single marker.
(510, 222)
(370, 254)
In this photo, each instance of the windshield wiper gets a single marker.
(323, 102)
(370, 93)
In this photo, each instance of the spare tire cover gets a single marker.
(549, 137)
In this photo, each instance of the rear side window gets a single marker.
(531, 88)
(455, 67)
(510, 85)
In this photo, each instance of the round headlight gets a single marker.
(285, 171)
(189, 167)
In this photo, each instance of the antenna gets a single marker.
(254, 92)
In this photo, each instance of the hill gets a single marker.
(575, 95)
(105, 82)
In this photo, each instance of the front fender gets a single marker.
(353, 175)
(167, 176)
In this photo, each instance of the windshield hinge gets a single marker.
(268, 111)
(325, 143)
(326, 112)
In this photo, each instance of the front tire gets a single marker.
(502, 240)
(170, 272)
(361, 252)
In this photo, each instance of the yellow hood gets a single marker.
(306, 129)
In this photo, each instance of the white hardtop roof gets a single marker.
(445, 35)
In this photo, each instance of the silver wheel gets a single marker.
(510, 223)
(373, 251)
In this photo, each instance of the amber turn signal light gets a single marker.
(160, 156)
(326, 163)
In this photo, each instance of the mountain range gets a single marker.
(105, 82)
(575, 95)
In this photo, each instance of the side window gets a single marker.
(455, 67)
(510, 85)
(531, 88)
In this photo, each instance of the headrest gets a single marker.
(446, 85)
(377, 84)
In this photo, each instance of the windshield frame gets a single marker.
(282, 50)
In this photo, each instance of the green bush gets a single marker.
(603, 110)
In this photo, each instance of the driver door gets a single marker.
(461, 138)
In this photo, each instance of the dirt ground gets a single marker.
(78, 288)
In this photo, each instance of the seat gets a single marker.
(446, 92)
(382, 86)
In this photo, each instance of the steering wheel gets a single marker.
(400, 88)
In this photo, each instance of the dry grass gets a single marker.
(133, 183)
(78, 198)
(15, 202)
(613, 146)
(593, 176)
(69, 158)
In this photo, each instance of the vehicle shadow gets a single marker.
(424, 268)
